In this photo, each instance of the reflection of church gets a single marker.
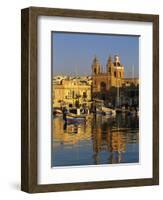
(108, 141)
(113, 76)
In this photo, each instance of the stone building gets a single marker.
(68, 92)
(111, 86)
(113, 76)
(130, 81)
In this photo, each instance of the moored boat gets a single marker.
(57, 112)
(73, 118)
(76, 117)
(108, 111)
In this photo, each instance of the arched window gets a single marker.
(94, 70)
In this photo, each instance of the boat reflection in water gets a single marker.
(100, 140)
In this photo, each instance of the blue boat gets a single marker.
(73, 118)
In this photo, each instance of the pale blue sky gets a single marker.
(72, 53)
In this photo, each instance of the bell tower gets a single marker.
(119, 71)
(96, 67)
(110, 66)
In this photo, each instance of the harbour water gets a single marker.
(100, 140)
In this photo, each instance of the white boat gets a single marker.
(57, 112)
(75, 117)
(108, 111)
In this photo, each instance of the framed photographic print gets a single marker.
(90, 99)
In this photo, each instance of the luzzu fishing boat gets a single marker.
(108, 111)
(75, 117)
(57, 112)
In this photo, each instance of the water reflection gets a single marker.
(101, 140)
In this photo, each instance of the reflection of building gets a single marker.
(104, 139)
(113, 142)
(105, 142)
(107, 137)
(70, 91)
(71, 134)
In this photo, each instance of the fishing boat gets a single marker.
(98, 111)
(57, 112)
(108, 111)
(75, 117)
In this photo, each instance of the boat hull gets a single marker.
(75, 119)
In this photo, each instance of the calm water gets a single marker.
(101, 140)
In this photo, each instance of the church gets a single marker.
(113, 76)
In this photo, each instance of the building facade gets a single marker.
(69, 92)
(111, 86)
(113, 75)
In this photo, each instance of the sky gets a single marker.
(73, 53)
